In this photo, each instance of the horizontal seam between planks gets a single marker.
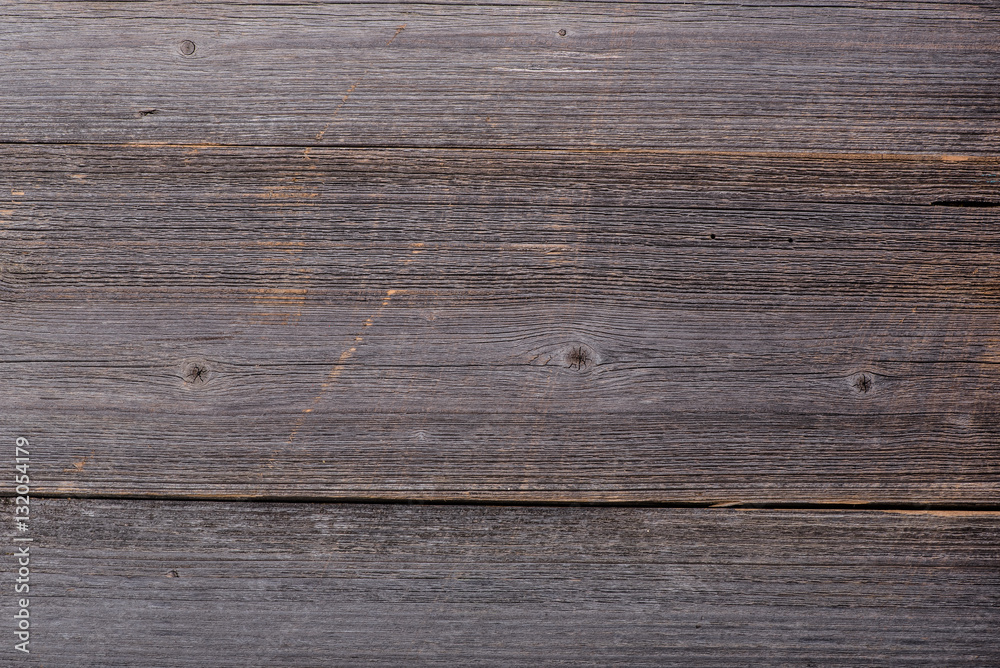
(878, 506)
(784, 155)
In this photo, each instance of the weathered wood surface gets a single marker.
(527, 253)
(116, 583)
(874, 77)
(520, 325)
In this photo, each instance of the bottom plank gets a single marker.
(163, 583)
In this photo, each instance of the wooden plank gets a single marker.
(920, 433)
(583, 224)
(529, 326)
(520, 325)
(872, 77)
(124, 583)
(297, 178)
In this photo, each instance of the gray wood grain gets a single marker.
(521, 325)
(294, 178)
(124, 583)
(872, 77)
(534, 253)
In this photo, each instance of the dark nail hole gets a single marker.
(148, 112)
(187, 47)
(578, 358)
(791, 240)
(562, 33)
(713, 236)
(979, 203)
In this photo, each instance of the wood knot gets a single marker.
(195, 373)
(187, 47)
(578, 358)
(863, 383)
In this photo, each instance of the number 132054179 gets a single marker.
(22, 480)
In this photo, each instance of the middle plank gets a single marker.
(501, 326)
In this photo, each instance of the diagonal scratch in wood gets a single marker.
(340, 106)
(396, 34)
(347, 95)
(337, 368)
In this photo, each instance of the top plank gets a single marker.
(844, 77)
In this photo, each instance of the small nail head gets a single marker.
(562, 32)
(187, 47)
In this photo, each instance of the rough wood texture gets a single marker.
(845, 76)
(520, 325)
(116, 583)
(671, 254)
